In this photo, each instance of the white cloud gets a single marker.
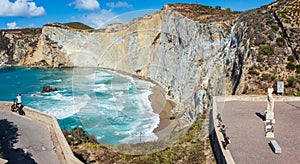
(104, 17)
(12, 25)
(86, 4)
(99, 19)
(24, 8)
(118, 5)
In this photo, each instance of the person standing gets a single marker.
(19, 99)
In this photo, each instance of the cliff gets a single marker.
(192, 56)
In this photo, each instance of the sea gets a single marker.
(111, 106)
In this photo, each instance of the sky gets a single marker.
(95, 13)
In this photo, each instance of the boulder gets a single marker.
(48, 88)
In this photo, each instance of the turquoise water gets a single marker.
(113, 107)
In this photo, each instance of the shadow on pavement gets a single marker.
(9, 137)
(262, 117)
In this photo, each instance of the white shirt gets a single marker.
(19, 99)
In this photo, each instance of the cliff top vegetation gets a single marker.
(78, 25)
(71, 26)
(205, 14)
(23, 31)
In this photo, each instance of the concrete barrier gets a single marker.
(63, 149)
(222, 155)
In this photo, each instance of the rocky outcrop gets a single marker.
(48, 88)
(16, 45)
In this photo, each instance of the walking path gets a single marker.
(24, 140)
(246, 131)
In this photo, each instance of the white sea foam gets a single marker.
(100, 87)
(118, 87)
(112, 106)
(142, 128)
(58, 96)
(57, 81)
(67, 107)
(114, 99)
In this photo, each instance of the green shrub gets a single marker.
(251, 71)
(218, 7)
(291, 58)
(275, 27)
(290, 66)
(280, 41)
(266, 50)
(298, 68)
(260, 59)
(289, 93)
(228, 10)
(290, 81)
(268, 77)
(77, 136)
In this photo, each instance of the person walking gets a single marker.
(219, 119)
(223, 130)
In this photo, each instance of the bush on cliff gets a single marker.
(266, 50)
(78, 136)
(78, 25)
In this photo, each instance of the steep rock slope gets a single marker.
(180, 54)
(271, 54)
(16, 45)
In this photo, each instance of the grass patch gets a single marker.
(78, 25)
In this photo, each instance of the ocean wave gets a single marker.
(112, 106)
(100, 87)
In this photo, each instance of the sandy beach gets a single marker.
(163, 107)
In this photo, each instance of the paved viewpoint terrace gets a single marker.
(24, 140)
(245, 127)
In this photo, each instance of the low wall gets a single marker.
(63, 149)
(222, 155)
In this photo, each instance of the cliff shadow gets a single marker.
(9, 136)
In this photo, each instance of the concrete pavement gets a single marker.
(24, 140)
(246, 131)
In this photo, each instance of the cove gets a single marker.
(113, 107)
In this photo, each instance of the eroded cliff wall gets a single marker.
(187, 58)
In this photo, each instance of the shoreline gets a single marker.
(163, 107)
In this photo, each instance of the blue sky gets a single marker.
(95, 13)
